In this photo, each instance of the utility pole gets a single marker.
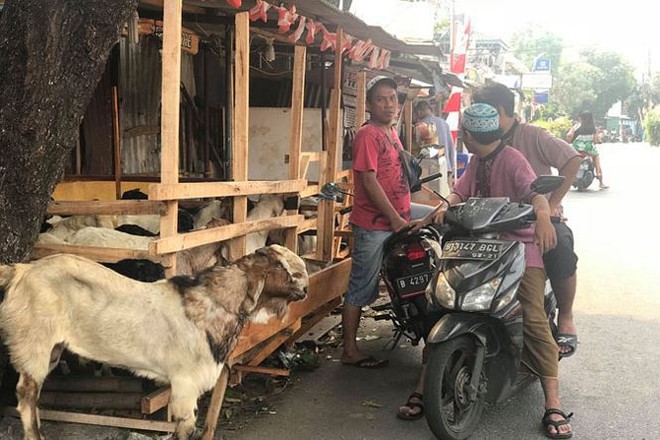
(650, 83)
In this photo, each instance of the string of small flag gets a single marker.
(357, 50)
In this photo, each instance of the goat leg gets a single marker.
(27, 392)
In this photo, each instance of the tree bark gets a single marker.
(52, 55)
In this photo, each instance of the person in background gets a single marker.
(498, 170)
(584, 137)
(424, 114)
(381, 206)
(544, 152)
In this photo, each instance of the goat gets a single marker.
(268, 206)
(178, 331)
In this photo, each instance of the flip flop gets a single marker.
(412, 405)
(567, 340)
(368, 362)
(547, 422)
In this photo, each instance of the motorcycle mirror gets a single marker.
(428, 152)
(546, 184)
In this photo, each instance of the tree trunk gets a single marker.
(52, 55)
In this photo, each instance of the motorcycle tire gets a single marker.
(449, 412)
(586, 181)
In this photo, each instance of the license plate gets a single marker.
(471, 250)
(413, 284)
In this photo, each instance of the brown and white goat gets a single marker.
(178, 331)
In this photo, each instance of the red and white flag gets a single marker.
(260, 11)
(457, 67)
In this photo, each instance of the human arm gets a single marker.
(546, 237)
(378, 197)
(436, 216)
(569, 171)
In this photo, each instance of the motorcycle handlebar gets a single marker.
(430, 178)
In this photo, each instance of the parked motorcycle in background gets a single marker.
(586, 173)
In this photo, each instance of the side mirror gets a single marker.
(428, 152)
(547, 184)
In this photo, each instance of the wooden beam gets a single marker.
(111, 207)
(215, 405)
(89, 419)
(116, 141)
(116, 384)
(170, 104)
(360, 112)
(223, 189)
(295, 145)
(100, 254)
(152, 402)
(90, 400)
(241, 113)
(262, 370)
(221, 233)
(310, 191)
(407, 120)
(307, 225)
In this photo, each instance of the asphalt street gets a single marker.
(612, 383)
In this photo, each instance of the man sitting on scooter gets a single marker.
(498, 170)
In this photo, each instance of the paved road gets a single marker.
(612, 383)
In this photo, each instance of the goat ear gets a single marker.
(265, 251)
(254, 288)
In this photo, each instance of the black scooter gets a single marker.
(586, 173)
(475, 346)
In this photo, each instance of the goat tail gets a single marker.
(6, 275)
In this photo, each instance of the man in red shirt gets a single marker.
(381, 206)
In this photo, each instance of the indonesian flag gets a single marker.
(260, 11)
(286, 17)
(457, 67)
(235, 3)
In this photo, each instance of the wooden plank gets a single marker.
(324, 286)
(295, 145)
(310, 191)
(111, 207)
(407, 120)
(345, 174)
(267, 347)
(152, 402)
(89, 419)
(100, 254)
(220, 233)
(170, 105)
(90, 400)
(116, 142)
(262, 370)
(241, 114)
(314, 156)
(309, 324)
(360, 112)
(307, 225)
(159, 191)
(215, 405)
(116, 384)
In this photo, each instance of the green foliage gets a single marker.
(558, 127)
(440, 27)
(533, 42)
(595, 83)
(652, 127)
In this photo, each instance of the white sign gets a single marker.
(537, 81)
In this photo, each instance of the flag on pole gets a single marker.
(457, 66)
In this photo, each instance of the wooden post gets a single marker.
(407, 119)
(295, 146)
(117, 141)
(326, 216)
(215, 405)
(360, 111)
(170, 106)
(241, 114)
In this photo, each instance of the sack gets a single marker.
(412, 170)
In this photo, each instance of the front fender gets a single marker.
(453, 325)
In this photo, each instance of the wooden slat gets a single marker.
(89, 419)
(310, 191)
(314, 156)
(111, 207)
(241, 114)
(100, 254)
(215, 405)
(90, 400)
(220, 233)
(360, 112)
(152, 402)
(262, 370)
(307, 225)
(116, 384)
(170, 104)
(345, 174)
(116, 142)
(223, 189)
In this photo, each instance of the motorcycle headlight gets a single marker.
(479, 298)
(505, 300)
(444, 294)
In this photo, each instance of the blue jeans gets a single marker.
(367, 255)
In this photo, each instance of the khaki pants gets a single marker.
(540, 352)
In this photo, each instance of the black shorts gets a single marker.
(561, 262)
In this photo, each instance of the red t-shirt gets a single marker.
(373, 151)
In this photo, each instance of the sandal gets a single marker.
(556, 423)
(418, 404)
(567, 340)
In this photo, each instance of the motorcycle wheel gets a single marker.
(450, 413)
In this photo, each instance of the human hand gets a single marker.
(398, 224)
(546, 237)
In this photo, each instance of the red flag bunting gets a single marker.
(260, 11)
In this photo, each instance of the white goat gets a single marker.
(66, 227)
(214, 209)
(268, 206)
(178, 331)
(104, 237)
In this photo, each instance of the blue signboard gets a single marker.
(541, 96)
(542, 65)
